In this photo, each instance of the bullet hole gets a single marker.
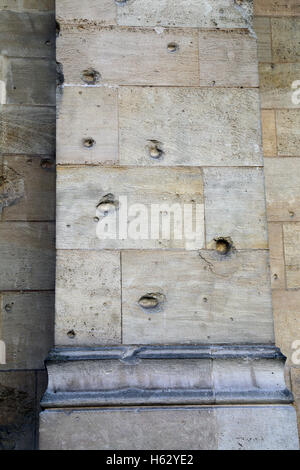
(205, 299)
(223, 246)
(8, 307)
(90, 76)
(46, 163)
(172, 47)
(59, 74)
(96, 219)
(151, 300)
(275, 276)
(292, 213)
(89, 142)
(107, 205)
(71, 334)
(57, 28)
(154, 149)
(48, 43)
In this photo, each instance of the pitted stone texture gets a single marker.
(194, 126)
(286, 39)
(264, 427)
(103, 12)
(235, 207)
(291, 233)
(88, 298)
(209, 298)
(288, 132)
(276, 8)
(87, 113)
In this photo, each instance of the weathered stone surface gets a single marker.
(269, 132)
(283, 189)
(262, 27)
(235, 207)
(88, 298)
(129, 56)
(291, 233)
(29, 81)
(208, 298)
(228, 58)
(186, 13)
(27, 130)
(193, 126)
(87, 113)
(27, 256)
(276, 8)
(103, 12)
(276, 85)
(27, 328)
(286, 39)
(276, 256)
(28, 5)
(295, 376)
(27, 34)
(81, 189)
(286, 319)
(27, 191)
(17, 417)
(264, 427)
(288, 132)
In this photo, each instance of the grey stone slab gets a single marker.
(27, 5)
(27, 324)
(193, 126)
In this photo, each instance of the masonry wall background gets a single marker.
(28, 193)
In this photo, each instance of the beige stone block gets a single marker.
(205, 297)
(262, 28)
(27, 321)
(269, 133)
(282, 176)
(286, 308)
(88, 298)
(291, 233)
(131, 191)
(126, 56)
(186, 13)
(192, 126)
(286, 39)
(27, 129)
(87, 125)
(28, 188)
(235, 207)
(288, 132)
(103, 12)
(17, 417)
(228, 58)
(27, 255)
(276, 8)
(276, 256)
(276, 85)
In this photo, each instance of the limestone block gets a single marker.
(27, 129)
(17, 417)
(249, 428)
(192, 126)
(288, 132)
(27, 256)
(269, 132)
(103, 12)
(286, 39)
(207, 297)
(87, 126)
(262, 28)
(25, 34)
(283, 189)
(228, 58)
(27, 191)
(291, 233)
(276, 256)
(276, 85)
(286, 319)
(88, 298)
(29, 81)
(235, 207)
(276, 8)
(82, 190)
(186, 13)
(27, 321)
(129, 56)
